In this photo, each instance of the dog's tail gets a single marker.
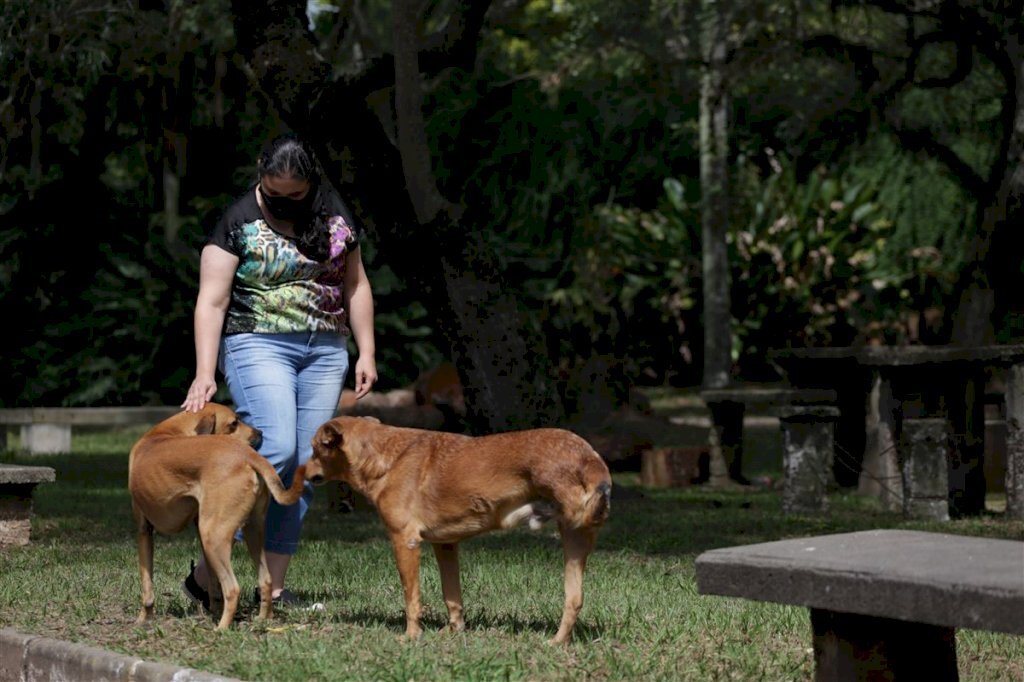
(597, 504)
(266, 471)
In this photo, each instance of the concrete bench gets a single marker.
(17, 483)
(47, 430)
(885, 604)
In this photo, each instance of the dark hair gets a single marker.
(289, 155)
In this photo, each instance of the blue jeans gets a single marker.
(285, 385)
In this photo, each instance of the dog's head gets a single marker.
(332, 457)
(217, 420)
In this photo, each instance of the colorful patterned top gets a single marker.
(278, 290)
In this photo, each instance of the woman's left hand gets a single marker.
(366, 375)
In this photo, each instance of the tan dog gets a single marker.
(443, 488)
(217, 480)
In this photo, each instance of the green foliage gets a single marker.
(928, 209)
(403, 327)
(560, 140)
(628, 286)
(805, 257)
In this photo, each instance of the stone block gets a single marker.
(925, 452)
(808, 449)
(46, 439)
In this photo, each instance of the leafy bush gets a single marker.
(628, 290)
(813, 262)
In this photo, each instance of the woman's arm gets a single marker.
(216, 273)
(359, 304)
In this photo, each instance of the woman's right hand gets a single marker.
(199, 393)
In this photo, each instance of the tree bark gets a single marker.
(714, 149)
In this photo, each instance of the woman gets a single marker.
(281, 286)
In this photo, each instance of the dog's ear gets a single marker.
(330, 435)
(206, 425)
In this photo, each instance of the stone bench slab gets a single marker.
(85, 416)
(769, 396)
(932, 578)
(47, 430)
(17, 474)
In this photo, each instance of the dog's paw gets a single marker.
(413, 635)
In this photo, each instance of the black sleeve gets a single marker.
(332, 204)
(224, 232)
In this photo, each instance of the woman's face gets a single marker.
(287, 198)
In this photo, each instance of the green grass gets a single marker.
(643, 618)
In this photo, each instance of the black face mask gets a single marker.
(298, 211)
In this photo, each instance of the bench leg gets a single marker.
(46, 439)
(726, 442)
(966, 409)
(925, 452)
(15, 514)
(849, 646)
(1015, 443)
(880, 473)
(808, 442)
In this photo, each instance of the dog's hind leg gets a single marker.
(144, 538)
(577, 543)
(217, 548)
(254, 532)
(407, 555)
(448, 564)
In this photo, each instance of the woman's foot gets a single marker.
(194, 591)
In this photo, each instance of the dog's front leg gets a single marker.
(407, 555)
(448, 564)
(577, 544)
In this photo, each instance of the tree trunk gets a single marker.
(999, 210)
(714, 148)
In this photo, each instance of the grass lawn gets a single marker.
(643, 618)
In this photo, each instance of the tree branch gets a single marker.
(453, 47)
(924, 140)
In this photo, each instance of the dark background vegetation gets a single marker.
(531, 186)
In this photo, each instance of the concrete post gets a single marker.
(925, 454)
(46, 439)
(1015, 442)
(808, 450)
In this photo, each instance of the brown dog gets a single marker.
(445, 487)
(217, 480)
